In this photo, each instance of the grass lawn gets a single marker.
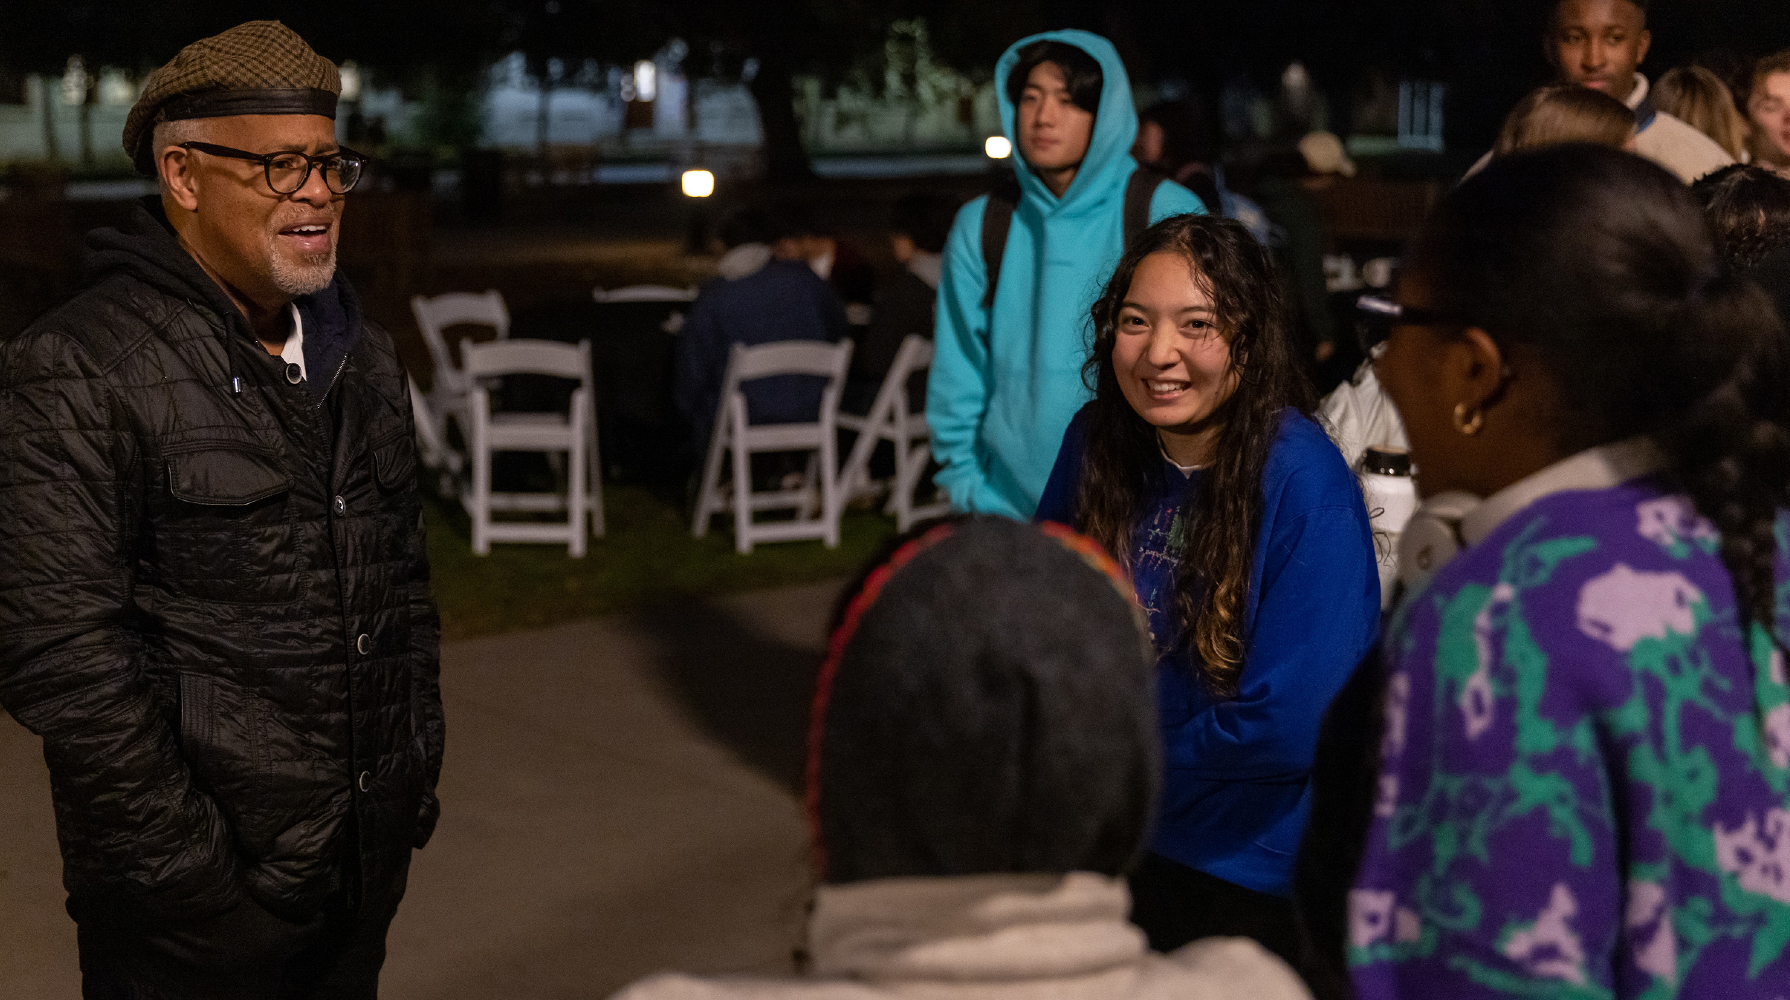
(647, 557)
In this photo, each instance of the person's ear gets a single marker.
(181, 181)
(1646, 43)
(1481, 369)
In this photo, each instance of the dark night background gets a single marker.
(1487, 50)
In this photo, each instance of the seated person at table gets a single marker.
(838, 263)
(783, 300)
(982, 762)
(907, 303)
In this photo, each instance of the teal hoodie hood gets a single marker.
(1108, 164)
(1007, 379)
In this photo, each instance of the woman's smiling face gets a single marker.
(1170, 353)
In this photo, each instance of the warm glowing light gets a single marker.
(997, 147)
(699, 183)
(646, 79)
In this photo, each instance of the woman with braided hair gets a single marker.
(1584, 775)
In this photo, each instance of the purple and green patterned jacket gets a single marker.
(1585, 779)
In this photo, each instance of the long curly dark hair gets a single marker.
(1123, 463)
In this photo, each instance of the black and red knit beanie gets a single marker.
(987, 705)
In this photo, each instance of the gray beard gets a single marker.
(306, 278)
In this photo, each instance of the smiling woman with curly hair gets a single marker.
(1198, 467)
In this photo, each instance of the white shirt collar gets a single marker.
(1637, 95)
(1592, 469)
(294, 351)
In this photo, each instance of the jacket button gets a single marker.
(341, 506)
(366, 780)
(364, 644)
(294, 374)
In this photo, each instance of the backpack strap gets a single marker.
(997, 221)
(1139, 191)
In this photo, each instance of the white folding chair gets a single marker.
(573, 434)
(891, 419)
(431, 439)
(447, 397)
(735, 433)
(644, 293)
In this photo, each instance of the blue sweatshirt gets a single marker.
(1236, 775)
(1005, 381)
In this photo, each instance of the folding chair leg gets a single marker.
(481, 499)
(742, 493)
(832, 498)
(576, 482)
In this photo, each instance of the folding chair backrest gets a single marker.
(644, 293)
(788, 357)
(454, 308)
(915, 354)
(434, 315)
(529, 357)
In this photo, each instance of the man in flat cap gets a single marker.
(214, 597)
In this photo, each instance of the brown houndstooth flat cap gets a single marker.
(257, 68)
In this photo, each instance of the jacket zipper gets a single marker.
(332, 382)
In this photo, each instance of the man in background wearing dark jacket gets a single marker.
(779, 300)
(214, 597)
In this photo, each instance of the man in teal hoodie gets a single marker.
(1006, 378)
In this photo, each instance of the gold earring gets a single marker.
(1468, 425)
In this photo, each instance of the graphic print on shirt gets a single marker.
(1494, 868)
(1160, 542)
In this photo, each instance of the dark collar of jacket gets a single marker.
(147, 249)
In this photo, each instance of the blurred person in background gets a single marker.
(1179, 140)
(907, 304)
(1582, 775)
(1768, 108)
(836, 261)
(982, 761)
(1553, 115)
(1601, 44)
(1198, 467)
(1749, 210)
(779, 300)
(214, 583)
(1023, 264)
(1701, 100)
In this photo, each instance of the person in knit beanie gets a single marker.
(983, 764)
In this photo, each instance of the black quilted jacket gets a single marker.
(214, 598)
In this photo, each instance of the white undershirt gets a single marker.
(294, 351)
(1186, 470)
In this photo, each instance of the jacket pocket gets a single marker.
(223, 736)
(225, 478)
(394, 464)
(224, 533)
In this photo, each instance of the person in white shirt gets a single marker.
(1599, 44)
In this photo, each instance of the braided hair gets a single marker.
(1602, 264)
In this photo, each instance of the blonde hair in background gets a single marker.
(1704, 102)
(1553, 115)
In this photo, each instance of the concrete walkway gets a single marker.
(618, 798)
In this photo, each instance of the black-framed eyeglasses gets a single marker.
(1375, 316)
(287, 172)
